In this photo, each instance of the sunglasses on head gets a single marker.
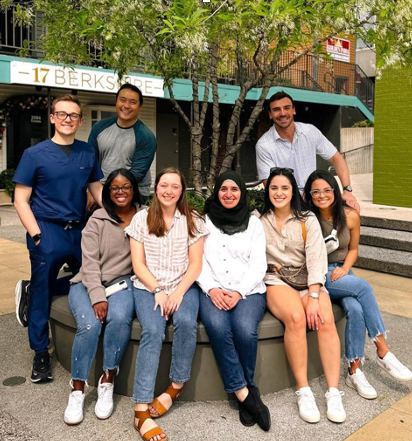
(281, 169)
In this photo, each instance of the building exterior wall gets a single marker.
(355, 137)
(89, 102)
(392, 180)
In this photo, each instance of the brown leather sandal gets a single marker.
(158, 406)
(143, 415)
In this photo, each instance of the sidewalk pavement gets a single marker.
(35, 412)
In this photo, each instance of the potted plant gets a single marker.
(6, 186)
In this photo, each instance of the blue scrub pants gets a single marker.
(57, 247)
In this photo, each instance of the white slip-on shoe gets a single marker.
(74, 411)
(335, 411)
(394, 367)
(308, 410)
(362, 386)
(104, 405)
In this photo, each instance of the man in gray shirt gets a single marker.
(124, 141)
(295, 145)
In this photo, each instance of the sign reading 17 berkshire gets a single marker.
(81, 79)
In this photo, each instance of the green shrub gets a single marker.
(6, 181)
(256, 198)
(364, 123)
(196, 201)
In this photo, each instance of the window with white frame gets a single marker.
(101, 112)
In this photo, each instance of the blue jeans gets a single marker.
(233, 335)
(153, 333)
(117, 329)
(362, 312)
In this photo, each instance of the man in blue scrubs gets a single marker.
(55, 174)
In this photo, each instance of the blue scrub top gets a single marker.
(58, 181)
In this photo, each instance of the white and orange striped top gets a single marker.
(167, 257)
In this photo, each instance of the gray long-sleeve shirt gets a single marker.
(105, 254)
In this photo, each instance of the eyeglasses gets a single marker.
(318, 193)
(61, 116)
(281, 169)
(124, 189)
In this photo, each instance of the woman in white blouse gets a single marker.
(234, 265)
(167, 246)
(294, 242)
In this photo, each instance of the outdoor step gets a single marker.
(389, 224)
(384, 238)
(385, 260)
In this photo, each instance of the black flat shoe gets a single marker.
(245, 417)
(257, 409)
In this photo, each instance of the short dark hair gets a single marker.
(298, 207)
(280, 95)
(107, 202)
(131, 87)
(67, 97)
(338, 212)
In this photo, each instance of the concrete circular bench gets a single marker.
(272, 370)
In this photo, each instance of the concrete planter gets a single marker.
(272, 369)
(5, 199)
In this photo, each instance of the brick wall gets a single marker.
(392, 180)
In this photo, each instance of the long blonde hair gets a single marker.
(155, 221)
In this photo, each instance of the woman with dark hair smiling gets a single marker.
(167, 247)
(234, 264)
(341, 229)
(297, 265)
(102, 293)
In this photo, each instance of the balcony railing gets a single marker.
(310, 72)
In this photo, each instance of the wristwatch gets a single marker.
(348, 188)
(314, 295)
(158, 289)
(36, 237)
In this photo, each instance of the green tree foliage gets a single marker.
(196, 40)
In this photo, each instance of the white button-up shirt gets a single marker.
(300, 154)
(234, 262)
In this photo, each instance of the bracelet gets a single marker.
(158, 289)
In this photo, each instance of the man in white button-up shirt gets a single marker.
(295, 145)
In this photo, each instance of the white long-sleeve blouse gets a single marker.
(234, 262)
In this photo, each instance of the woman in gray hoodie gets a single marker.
(106, 270)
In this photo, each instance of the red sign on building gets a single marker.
(338, 49)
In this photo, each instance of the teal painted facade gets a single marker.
(228, 94)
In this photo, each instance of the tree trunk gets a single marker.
(196, 139)
(213, 170)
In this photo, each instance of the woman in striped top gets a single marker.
(167, 247)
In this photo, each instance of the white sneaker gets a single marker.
(394, 367)
(104, 405)
(362, 386)
(335, 410)
(74, 411)
(308, 410)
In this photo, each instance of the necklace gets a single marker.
(327, 217)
